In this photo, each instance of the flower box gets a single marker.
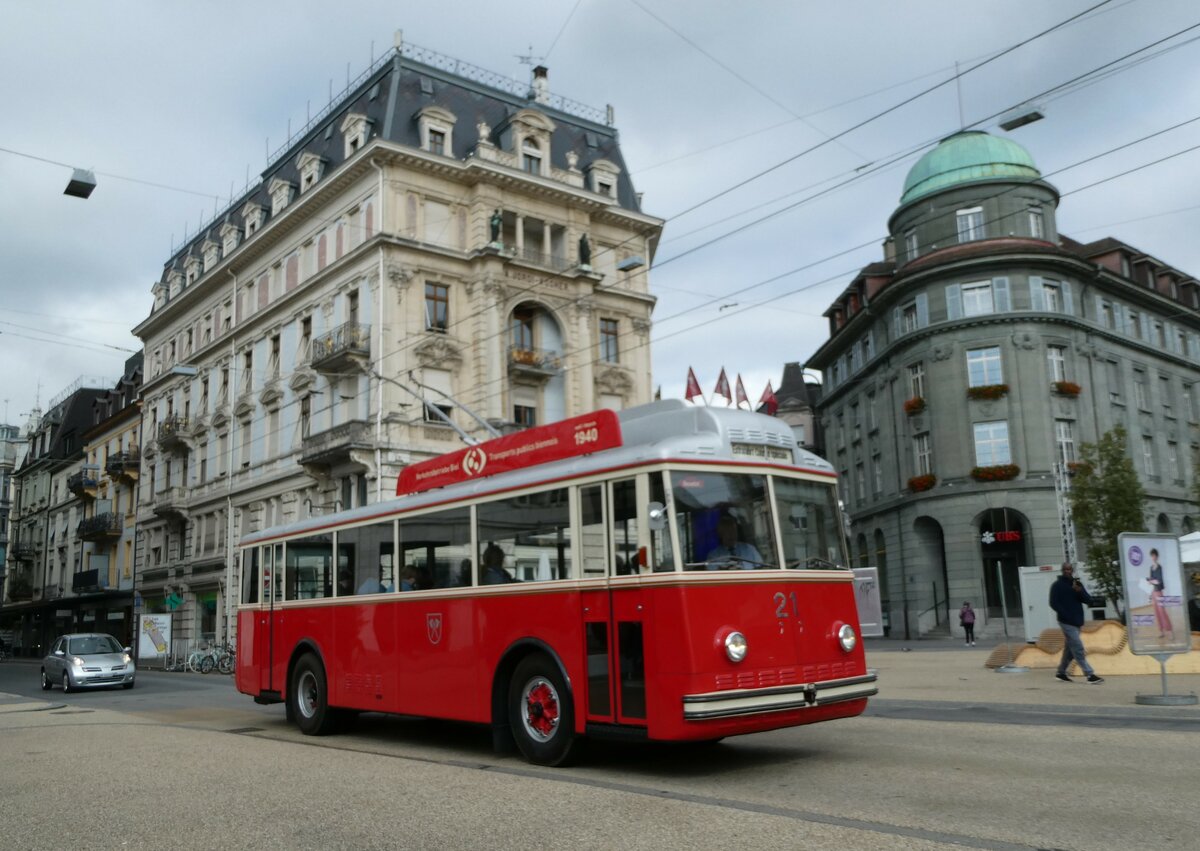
(914, 405)
(922, 483)
(987, 391)
(996, 473)
(1066, 388)
(1074, 467)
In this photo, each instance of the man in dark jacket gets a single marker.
(1067, 598)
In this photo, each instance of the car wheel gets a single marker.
(542, 712)
(308, 698)
(66, 682)
(45, 681)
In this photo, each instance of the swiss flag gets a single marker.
(693, 386)
(722, 388)
(768, 399)
(741, 392)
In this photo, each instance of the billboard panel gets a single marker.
(1152, 579)
(154, 635)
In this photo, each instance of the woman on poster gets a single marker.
(1155, 579)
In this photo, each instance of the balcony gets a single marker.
(20, 589)
(102, 527)
(533, 256)
(25, 552)
(336, 445)
(89, 580)
(173, 433)
(534, 363)
(344, 349)
(124, 465)
(83, 484)
(171, 503)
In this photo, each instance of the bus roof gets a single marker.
(670, 429)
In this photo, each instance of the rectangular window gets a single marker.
(877, 473)
(436, 545)
(922, 454)
(437, 307)
(273, 363)
(308, 570)
(1141, 396)
(1164, 395)
(1056, 359)
(983, 367)
(910, 318)
(1037, 225)
(1173, 461)
(855, 423)
(970, 224)
(1189, 402)
(1148, 455)
(872, 413)
(1108, 316)
(1113, 371)
(1064, 437)
(439, 383)
(991, 444)
(524, 416)
(977, 299)
(1160, 334)
(245, 444)
(1134, 324)
(910, 245)
(860, 483)
(305, 416)
(532, 533)
(366, 562)
(1052, 296)
(916, 379)
(608, 341)
(437, 142)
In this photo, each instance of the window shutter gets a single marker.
(1037, 298)
(954, 302)
(1067, 300)
(896, 326)
(922, 310)
(1145, 323)
(1000, 295)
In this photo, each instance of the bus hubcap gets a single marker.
(541, 709)
(307, 694)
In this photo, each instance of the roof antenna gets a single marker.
(962, 122)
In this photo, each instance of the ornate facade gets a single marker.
(431, 254)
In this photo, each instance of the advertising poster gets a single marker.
(1152, 577)
(154, 635)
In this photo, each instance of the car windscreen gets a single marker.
(93, 644)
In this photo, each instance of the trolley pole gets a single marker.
(1009, 668)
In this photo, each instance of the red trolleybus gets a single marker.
(667, 572)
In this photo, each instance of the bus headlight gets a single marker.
(847, 637)
(735, 646)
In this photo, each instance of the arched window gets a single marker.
(864, 555)
(1188, 525)
(1164, 525)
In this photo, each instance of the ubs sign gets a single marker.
(1000, 537)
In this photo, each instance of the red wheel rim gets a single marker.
(539, 709)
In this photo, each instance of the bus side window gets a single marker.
(591, 531)
(250, 583)
(625, 527)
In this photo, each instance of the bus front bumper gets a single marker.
(740, 702)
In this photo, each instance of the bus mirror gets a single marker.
(656, 514)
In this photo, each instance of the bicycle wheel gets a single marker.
(226, 665)
(206, 665)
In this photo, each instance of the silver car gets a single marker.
(87, 660)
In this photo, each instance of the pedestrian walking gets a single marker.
(1067, 598)
(966, 617)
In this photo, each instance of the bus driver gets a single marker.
(732, 553)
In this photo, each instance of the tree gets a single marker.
(1106, 500)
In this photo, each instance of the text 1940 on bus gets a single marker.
(668, 572)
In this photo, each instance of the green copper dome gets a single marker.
(967, 157)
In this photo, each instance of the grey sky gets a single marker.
(706, 94)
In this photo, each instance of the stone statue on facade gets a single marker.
(585, 252)
(495, 223)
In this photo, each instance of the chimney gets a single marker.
(541, 84)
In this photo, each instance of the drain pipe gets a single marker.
(379, 359)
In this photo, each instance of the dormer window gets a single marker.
(211, 254)
(355, 129)
(229, 239)
(603, 175)
(435, 126)
(531, 156)
(252, 215)
(160, 295)
(281, 194)
(174, 283)
(310, 167)
(192, 268)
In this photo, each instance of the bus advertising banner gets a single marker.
(1152, 579)
(154, 636)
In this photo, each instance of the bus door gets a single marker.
(613, 615)
(272, 586)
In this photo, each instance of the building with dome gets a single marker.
(964, 369)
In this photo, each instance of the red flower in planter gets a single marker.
(987, 391)
(1066, 388)
(914, 405)
(922, 483)
(996, 473)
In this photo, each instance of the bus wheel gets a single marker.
(541, 711)
(308, 698)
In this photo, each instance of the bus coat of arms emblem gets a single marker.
(433, 626)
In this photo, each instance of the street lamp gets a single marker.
(81, 184)
(1022, 115)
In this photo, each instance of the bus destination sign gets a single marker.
(554, 442)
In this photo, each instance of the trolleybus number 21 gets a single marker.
(781, 605)
(587, 435)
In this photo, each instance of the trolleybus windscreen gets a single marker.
(724, 521)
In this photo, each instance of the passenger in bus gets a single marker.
(732, 553)
(493, 566)
(345, 585)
